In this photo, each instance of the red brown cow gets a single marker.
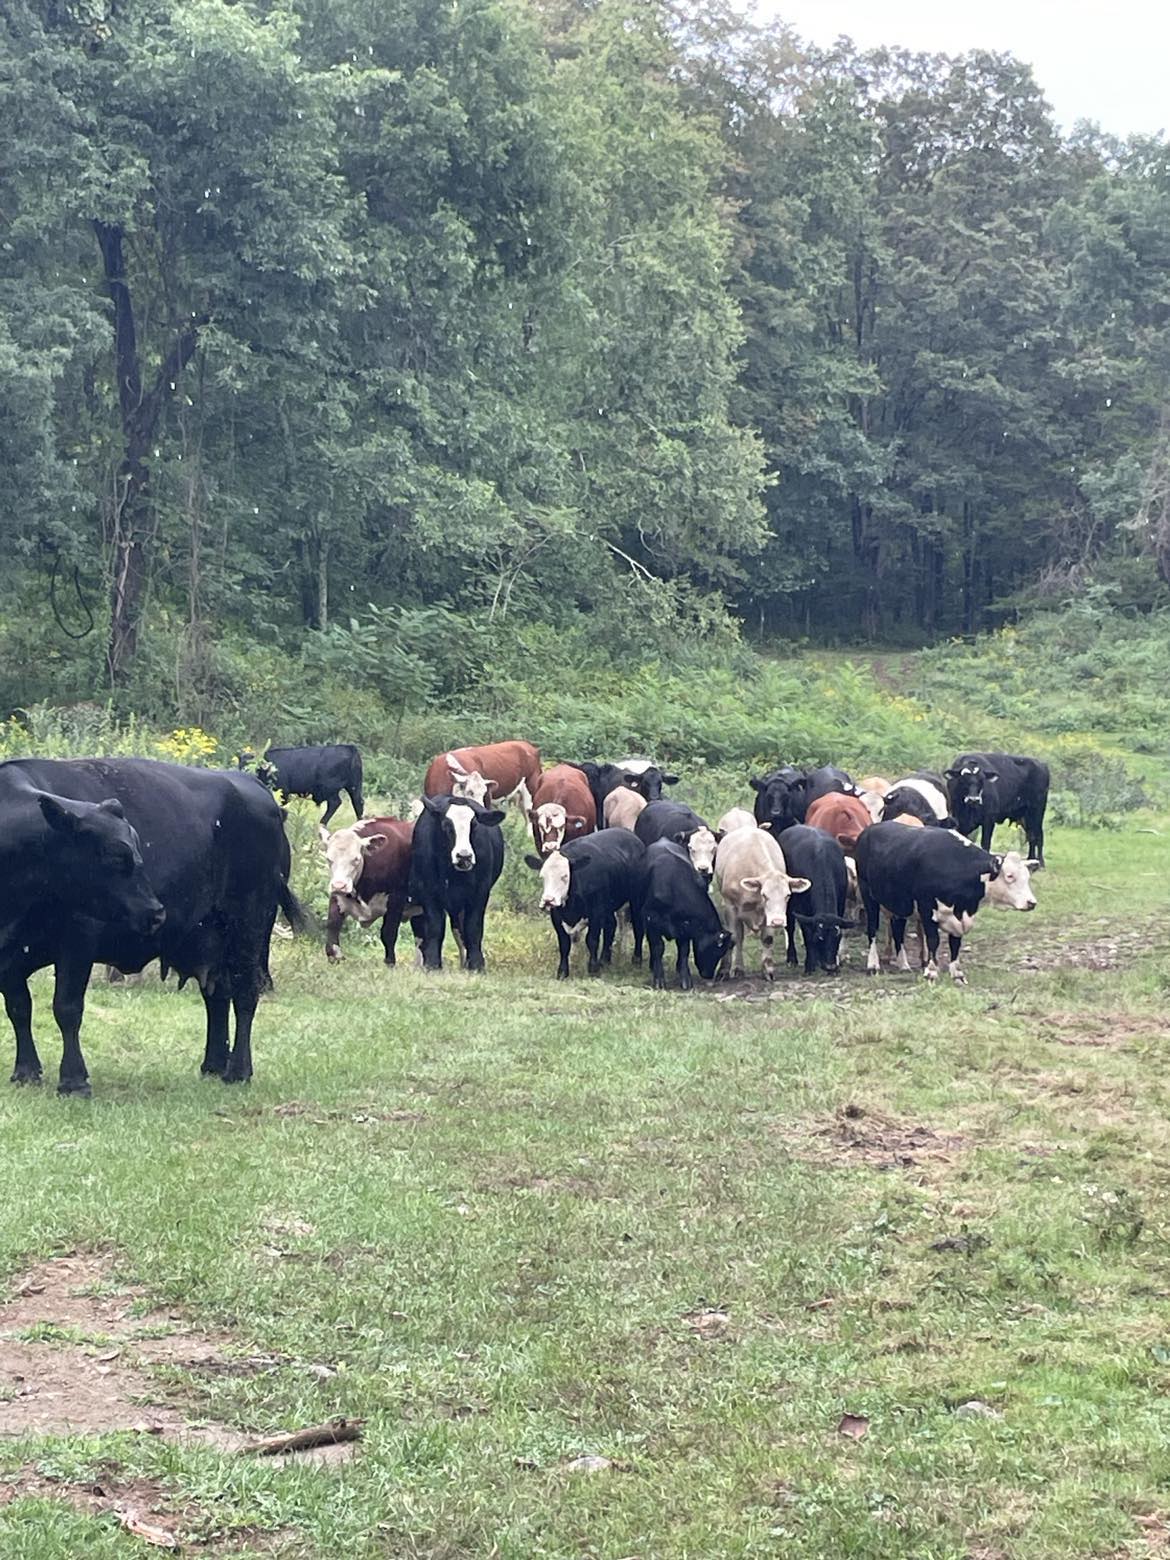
(369, 866)
(562, 809)
(490, 775)
(843, 817)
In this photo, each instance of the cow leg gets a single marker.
(638, 924)
(239, 1067)
(657, 975)
(592, 939)
(472, 929)
(72, 977)
(810, 951)
(958, 975)
(1034, 834)
(18, 1002)
(357, 801)
(217, 1005)
(683, 944)
(767, 962)
(988, 833)
(608, 931)
(790, 957)
(564, 945)
(873, 924)
(333, 925)
(332, 803)
(733, 959)
(460, 936)
(391, 921)
(930, 927)
(898, 936)
(429, 930)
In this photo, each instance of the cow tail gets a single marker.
(294, 912)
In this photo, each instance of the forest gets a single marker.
(357, 341)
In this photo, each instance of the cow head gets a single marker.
(460, 817)
(1010, 886)
(709, 950)
(774, 889)
(96, 854)
(346, 852)
(700, 845)
(779, 798)
(967, 783)
(644, 776)
(467, 782)
(553, 825)
(824, 939)
(555, 876)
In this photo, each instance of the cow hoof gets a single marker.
(562, 974)
(930, 975)
(636, 959)
(210, 1071)
(231, 1077)
(24, 1075)
(80, 1090)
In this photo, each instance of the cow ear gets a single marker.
(58, 816)
(670, 779)
(112, 806)
(533, 861)
(799, 885)
(680, 837)
(846, 841)
(950, 774)
(756, 783)
(372, 842)
(431, 804)
(752, 884)
(989, 777)
(767, 824)
(323, 834)
(491, 815)
(719, 835)
(997, 866)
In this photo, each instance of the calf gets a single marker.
(753, 879)
(622, 808)
(457, 853)
(921, 795)
(673, 821)
(586, 883)
(494, 774)
(369, 872)
(843, 817)
(734, 818)
(321, 773)
(563, 808)
(943, 877)
(990, 788)
(677, 906)
(820, 909)
(779, 798)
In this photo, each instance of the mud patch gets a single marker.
(1077, 948)
(859, 1136)
(1104, 1031)
(75, 1357)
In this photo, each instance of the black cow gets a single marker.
(779, 798)
(321, 773)
(639, 774)
(820, 910)
(457, 853)
(990, 788)
(824, 782)
(941, 876)
(677, 906)
(589, 880)
(666, 820)
(216, 860)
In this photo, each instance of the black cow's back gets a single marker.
(666, 820)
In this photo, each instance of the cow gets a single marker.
(922, 795)
(622, 808)
(677, 906)
(491, 775)
(195, 864)
(673, 821)
(825, 781)
(754, 881)
(562, 809)
(990, 788)
(321, 773)
(843, 817)
(369, 870)
(820, 910)
(941, 876)
(642, 775)
(872, 791)
(779, 798)
(586, 883)
(457, 853)
(735, 818)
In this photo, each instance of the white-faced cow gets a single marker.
(457, 853)
(492, 775)
(369, 873)
(562, 809)
(756, 885)
(585, 885)
(990, 788)
(665, 820)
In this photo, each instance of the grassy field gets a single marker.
(513, 1224)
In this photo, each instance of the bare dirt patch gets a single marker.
(856, 1135)
(1105, 1031)
(1084, 945)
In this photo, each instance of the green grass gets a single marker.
(503, 1196)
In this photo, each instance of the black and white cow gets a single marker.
(990, 788)
(941, 876)
(321, 773)
(641, 775)
(216, 862)
(585, 884)
(678, 907)
(922, 795)
(666, 820)
(815, 856)
(457, 853)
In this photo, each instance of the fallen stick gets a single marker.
(329, 1434)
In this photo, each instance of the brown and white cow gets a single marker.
(562, 809)
(491, 775)
(621, 808)
(843, 817)
(369, 867)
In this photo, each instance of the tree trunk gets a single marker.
(129, 564)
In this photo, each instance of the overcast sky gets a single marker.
(1110, 62)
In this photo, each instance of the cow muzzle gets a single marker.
(341, 886)
(463, 860)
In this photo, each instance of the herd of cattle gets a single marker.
(122, 861)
